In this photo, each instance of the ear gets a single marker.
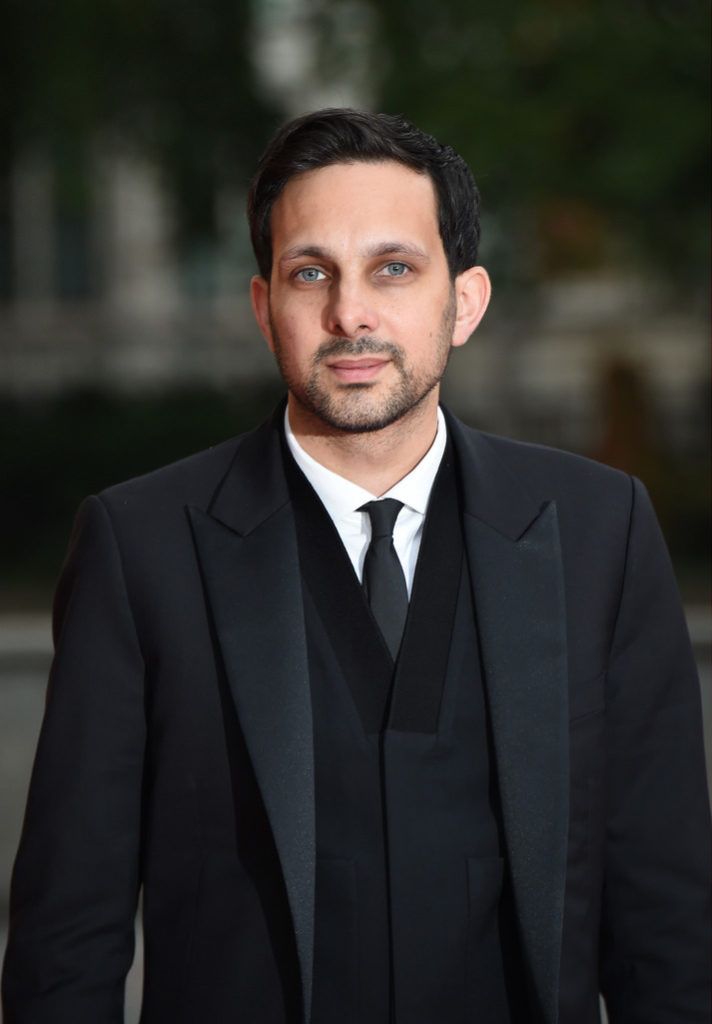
(259, 295)
(472, 294)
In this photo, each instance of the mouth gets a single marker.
(355, 371)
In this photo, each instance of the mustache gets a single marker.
(363, 346)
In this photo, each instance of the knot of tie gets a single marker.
(383, 514)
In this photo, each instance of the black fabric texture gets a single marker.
(177, 757)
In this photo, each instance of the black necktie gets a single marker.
(383, 578)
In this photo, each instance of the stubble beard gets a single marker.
(358, 407)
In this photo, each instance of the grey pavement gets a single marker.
(25, 655)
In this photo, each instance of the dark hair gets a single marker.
(341, 135)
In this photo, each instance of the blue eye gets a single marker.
(395, 269)
(309, 274)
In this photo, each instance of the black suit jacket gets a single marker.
(176, 750)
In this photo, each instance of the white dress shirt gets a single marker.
(342, 499)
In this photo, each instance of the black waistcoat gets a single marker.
(409, 864)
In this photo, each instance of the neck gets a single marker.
(375, 460)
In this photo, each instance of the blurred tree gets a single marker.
(585, 121)
(173, 80)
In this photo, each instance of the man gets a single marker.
(393, 721)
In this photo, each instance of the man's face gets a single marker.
(360, 308)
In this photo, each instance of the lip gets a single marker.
(357, 370)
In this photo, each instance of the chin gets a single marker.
(354, 413)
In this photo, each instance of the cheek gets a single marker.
(295, 340)
(418, 328)
(417, 309)
(402, 322)
(299, 319)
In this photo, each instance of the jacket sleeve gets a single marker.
(656, 955)
(76, 877)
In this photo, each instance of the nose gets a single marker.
(350, 311)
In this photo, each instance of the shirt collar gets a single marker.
(342, 497)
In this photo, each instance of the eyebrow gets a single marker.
(318, 252)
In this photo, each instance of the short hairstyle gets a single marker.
(342, 135)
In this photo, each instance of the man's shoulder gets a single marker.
(543, 473)
(189, 480)
(540, 462)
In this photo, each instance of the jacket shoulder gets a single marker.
(191, 479)
(588, 494)
(541, 464)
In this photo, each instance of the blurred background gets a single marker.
(128, 134)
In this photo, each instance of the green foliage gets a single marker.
(173, 80)
(586, 121)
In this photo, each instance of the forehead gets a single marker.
(352, 200)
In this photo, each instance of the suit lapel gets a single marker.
(515, 560)
(247, 548)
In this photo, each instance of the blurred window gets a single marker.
(6, 261)
(74, 270)
(73, 212)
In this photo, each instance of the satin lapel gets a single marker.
(247, 550)
(520, 614)
(513, 549)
